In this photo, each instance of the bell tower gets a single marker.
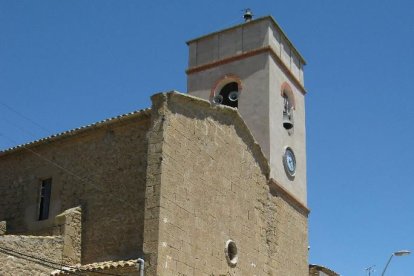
(255, 68)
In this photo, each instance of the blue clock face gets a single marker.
(290, 162)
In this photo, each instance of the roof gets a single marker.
(75, 131)
(268, 17)
(313, 268)
(188, 99)
(95, 267)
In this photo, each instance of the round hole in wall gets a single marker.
(231, 253)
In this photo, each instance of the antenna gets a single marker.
(369, 270)
(248, 15)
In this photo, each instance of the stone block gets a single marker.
(3, 227)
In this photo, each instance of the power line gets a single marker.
(34, 260)
(23, 116)
(82, 179)
(16, 126)
(62, 266)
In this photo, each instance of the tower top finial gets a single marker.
(248, 15)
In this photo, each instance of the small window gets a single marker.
(231, 251)
(44, 202)
(228, 95)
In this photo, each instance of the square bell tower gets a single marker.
(255, 68)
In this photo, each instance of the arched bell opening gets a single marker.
(288, 107)
(287, 112)
(227, 92)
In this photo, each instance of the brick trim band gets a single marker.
(251, 53)
(226, 79)
(286, 195)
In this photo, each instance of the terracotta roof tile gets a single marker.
(94, 267)
(314, 269)
(77, 130)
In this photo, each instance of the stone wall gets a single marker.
(69, 225)
(3, 227)
(192, 170)
(101, 168)
(29, 255)
(287, 236)
(25, 255)
(207, 184)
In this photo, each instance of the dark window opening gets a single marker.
(45, 192)
(232, 251)
(287, 112)
(230, 94)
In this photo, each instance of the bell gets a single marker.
(233, 96)
(287, 122)
(248, 15)
(218, 99)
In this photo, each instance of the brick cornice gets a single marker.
(247, 54)
(288, 197)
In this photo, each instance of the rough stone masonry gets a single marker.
(192, 177)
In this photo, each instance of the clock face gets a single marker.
(289, 161)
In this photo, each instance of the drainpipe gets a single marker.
(141, 264)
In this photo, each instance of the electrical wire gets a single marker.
(82, 179)
(18, 127)
(23, 116)
(50, 264)
(85, 180)
(33, 260)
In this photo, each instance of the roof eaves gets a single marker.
(94, 267)
(75, 131)
(324, 269)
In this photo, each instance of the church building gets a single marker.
(210, 182)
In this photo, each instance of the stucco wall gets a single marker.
(280, 138)
(228, 43)
(254, 96)
(102, 169)
(211, 186)
(244, 38)
(261, 75)
(261, 106)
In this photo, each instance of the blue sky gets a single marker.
(65, 63)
